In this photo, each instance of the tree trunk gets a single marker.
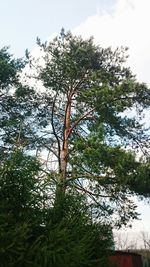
(64, 152)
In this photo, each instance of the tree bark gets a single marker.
(64, 152)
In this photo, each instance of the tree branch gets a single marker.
(54, 131)
(80, 119)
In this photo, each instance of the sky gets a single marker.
(23, 20)
(111, 23)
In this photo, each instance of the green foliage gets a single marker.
(141, 183)
(74, 240)
(14, 123)
(58, 213)
(18, 207)
(18, 184)
(103, 142)
(8, 69)
(30, 234)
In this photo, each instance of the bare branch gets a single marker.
(53, 127)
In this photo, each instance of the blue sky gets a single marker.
(23, 20)
(111, 22)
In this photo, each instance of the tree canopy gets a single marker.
(87, 116)
(74, 150)
(34, 230)
(84, 122)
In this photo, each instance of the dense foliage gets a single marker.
(32, 231)
(70, 155)
(88, 113)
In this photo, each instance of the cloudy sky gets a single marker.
(110, 22)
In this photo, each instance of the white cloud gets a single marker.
(126, 25)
